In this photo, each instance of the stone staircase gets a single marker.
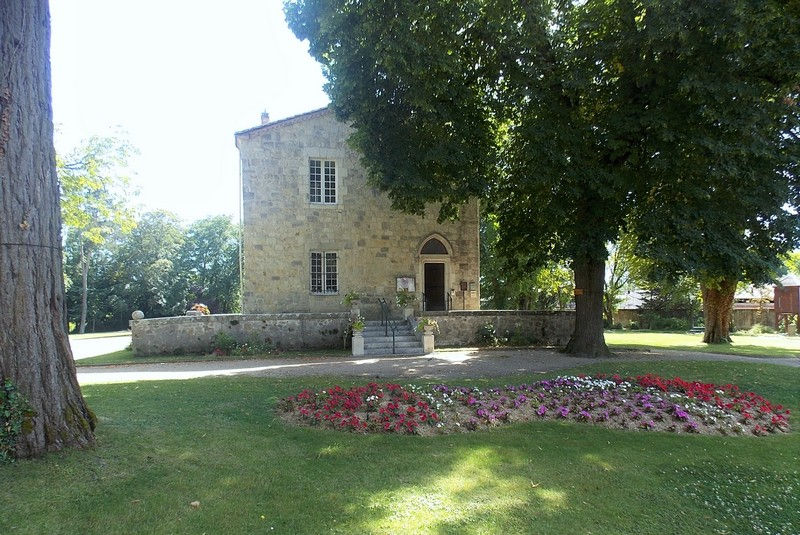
(377, 343)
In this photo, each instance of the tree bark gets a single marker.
(717, 310)
(34, 348)
(587, 339)
(84, 287)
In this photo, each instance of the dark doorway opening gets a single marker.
(434, 286)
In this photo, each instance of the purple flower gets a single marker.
(471, 401)
(691, 426)
(680, 413)
(562, 411)
(542, 410)
(585, 415)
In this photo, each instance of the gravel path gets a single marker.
(443, 364)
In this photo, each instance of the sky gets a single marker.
(177, 78)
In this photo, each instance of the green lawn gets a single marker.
(126, 357)
(162, 445)
(764, 345)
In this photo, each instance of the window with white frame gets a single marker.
(322, 181)
(324, 273)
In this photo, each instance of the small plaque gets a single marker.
(406, 283)
(578, 291)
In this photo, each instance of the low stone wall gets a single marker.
(195, 334)
(542, 328)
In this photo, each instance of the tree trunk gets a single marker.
(587, 339)
(717, 310)
(34, 349)
(84, 287)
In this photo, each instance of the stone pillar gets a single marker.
(358, 343)
(427, 342)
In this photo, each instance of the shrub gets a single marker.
(617, 326)
(223, 344)
(634, 326)
(759, 328)
(15, 418)
(404, 298)
(487, 335)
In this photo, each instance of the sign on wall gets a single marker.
(406, 283)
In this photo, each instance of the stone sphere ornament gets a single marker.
(137, 315)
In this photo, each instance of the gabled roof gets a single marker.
(790, 280)
(287, 121)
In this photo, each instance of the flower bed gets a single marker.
(645, 402)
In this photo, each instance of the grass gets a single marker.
(162, 445)
(126, 356)
(763, 345)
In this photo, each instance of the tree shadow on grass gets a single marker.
(217, 441)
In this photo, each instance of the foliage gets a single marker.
(487, 334)
(207, 267)
(575, 119)
(226, 345)
(349, 297)
(357, 323)
(94, 190)
(624, 271)
(792, 262)
(426, 322)
(404, 298)
(15, 416)
(646, 403)
(155, 269)
(759, 328)
(519, 282)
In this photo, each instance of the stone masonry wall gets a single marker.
(460, 327)
(195, 334)
(374, 244)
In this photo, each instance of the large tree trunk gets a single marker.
(717, 310)
(84, 287)
(587, 339)
(34, 348)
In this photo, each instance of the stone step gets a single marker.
(398, 351)
(398, 345)
(399, 338)
(383, 334)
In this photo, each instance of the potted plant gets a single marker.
(357, 324)
(198, 309)
(427, 325)
(351, 299)
(405, 300)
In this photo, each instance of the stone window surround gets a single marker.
(336, 191)
(324, 273)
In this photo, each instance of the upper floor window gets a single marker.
(322, 181)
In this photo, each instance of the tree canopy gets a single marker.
(675, 119)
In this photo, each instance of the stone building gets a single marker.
(313, 229)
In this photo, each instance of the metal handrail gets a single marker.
(387, 322)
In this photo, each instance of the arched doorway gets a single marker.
(434, 257)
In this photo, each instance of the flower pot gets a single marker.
(428, 329)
